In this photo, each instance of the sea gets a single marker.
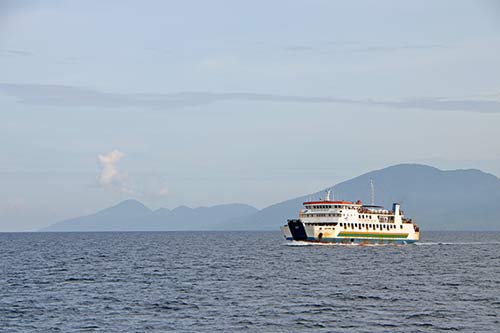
(246, 281)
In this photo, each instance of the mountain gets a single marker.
(435, 199)
(131, 215)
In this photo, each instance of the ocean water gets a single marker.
(246, 281)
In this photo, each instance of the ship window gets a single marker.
(401, 226)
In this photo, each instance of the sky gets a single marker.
(200, 103)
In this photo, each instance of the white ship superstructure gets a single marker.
(348, 222)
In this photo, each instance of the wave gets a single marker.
(456, 243)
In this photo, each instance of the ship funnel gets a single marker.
(328, 195)
(395, 208)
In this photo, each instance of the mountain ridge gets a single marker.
(132, 215)
(426, 202)
(461, 199)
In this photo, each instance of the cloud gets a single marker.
(298, 48)
(68, 96)
(109, 175)
(351, 47)
(162, 191)
(393, 48)
(9, 53)
(111, 178)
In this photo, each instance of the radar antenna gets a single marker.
(372, 188)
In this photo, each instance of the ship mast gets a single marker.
(332, 192)
(372, 188)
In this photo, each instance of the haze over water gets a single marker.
(246, 281)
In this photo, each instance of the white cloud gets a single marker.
(110, 177)
(109, 174)
(162, 191)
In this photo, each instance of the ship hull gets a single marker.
(295, 230)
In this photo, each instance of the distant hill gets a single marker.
(131, 215)
(435, 199)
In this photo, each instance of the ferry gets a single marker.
(345, 222)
